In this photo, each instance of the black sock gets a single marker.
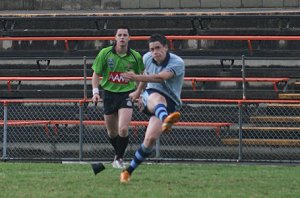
(113, 142)
(122, 143)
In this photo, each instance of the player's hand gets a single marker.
(96, 98)
(140, 104)
(128, 76)
(134, 96)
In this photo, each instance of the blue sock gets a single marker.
(140, 155)
(161, 111)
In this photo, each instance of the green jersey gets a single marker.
(110, 66)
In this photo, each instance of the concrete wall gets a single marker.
(142, 4)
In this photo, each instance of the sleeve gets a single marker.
(98, 63)
(177, 67)
(147, 59)
(140, 64)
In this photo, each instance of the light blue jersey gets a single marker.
(171, 87)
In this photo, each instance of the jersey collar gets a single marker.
(115, 52)
(165, 62)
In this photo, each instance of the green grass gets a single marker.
(156, 180)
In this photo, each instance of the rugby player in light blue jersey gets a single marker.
(159, 96)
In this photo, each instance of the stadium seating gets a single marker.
(203, 81)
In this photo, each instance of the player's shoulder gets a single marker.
(104, 52)
(176, 58)
(106, 49)
(135, 53)
(147, 56)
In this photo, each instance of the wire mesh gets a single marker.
(208, 131)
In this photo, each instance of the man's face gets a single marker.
(158, 51)
(122, 37)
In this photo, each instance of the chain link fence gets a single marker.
(211, 130)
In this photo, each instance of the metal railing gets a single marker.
(210, 130)
(58, 129)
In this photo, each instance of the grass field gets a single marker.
(151, 180)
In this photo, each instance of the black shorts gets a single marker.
(113, 101)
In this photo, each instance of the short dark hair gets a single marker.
(122, 27)
(158, 37)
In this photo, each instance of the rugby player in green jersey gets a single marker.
(110, 63)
